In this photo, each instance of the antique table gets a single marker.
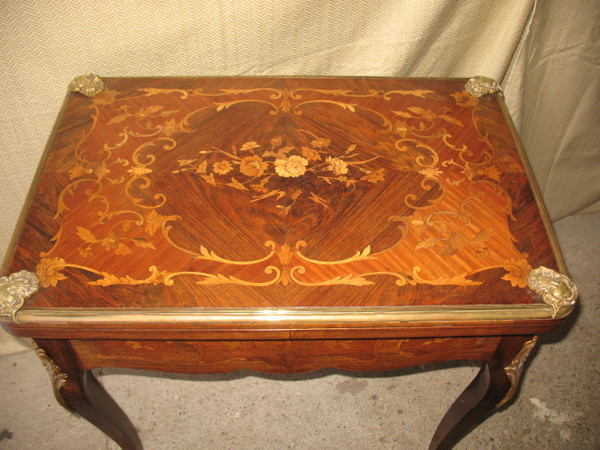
(205, 225)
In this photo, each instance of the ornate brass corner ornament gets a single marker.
(556, 289)
(88, 84)
(14, 290)
(57, 376)
(515, 369)
(480, 86)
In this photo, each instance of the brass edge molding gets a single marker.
(480, 86)
(556, 289)
(57, 376)
(265, 316)
(14, 290)
(534, 188)
(88, 84)
(515, 370)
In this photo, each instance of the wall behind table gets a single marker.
(553, 92)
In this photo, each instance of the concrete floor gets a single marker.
(556, 408)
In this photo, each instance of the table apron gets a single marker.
(280, 356)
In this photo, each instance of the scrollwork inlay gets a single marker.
(290, 174)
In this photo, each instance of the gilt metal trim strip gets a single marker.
(265, 316)
(534, 188)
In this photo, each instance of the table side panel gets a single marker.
(278, 356)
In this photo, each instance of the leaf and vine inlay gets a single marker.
(114, 204)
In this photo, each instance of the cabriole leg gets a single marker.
(79, 391)
(494, 386)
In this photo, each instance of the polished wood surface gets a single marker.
(205, 225)
(277, 356)
(282, 193)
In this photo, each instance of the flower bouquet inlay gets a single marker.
(262, 170)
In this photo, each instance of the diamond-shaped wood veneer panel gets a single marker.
(282, 192)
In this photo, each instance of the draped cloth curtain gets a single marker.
(553, 92)
(544, 53)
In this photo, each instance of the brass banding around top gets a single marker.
(297, 316)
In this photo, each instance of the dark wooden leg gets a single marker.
(79, 391)
(494, 386)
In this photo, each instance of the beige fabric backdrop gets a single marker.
(540, 47)
(553, 90)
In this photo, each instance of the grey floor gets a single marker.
(556, 408)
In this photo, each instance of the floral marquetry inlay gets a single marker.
(259, 169)
(282, 183)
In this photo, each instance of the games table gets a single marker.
(205, 225)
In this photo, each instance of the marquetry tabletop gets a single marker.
(284, 200)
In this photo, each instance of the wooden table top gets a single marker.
(318, 202)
